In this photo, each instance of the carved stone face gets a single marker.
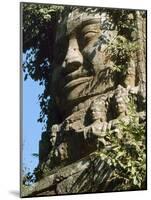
(80, 66)
(121, 107)
(98, 112)
(121, 100)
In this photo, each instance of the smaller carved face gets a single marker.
(97, 112)
(54, 131)
(62, 150)
(121, 106)
(121, 100)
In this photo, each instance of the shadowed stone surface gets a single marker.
(85, 175)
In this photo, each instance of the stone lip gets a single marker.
(76, 82)
(80, 177)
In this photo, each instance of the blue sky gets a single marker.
(31, 128)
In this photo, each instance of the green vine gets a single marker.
(127, 152)
(121, 50)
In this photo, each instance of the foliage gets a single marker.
(38, 29)
(124, 21)
(35, 155)
(122, 49)
(120, 52)
(37, 20)
(27, 177)
(127, 153)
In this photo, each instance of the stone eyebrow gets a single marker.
(85, 26)
(90, 28)
(90, 21)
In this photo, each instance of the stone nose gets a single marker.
(74, 58)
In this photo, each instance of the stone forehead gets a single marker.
(75, 19)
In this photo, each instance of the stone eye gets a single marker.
(88, 36)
